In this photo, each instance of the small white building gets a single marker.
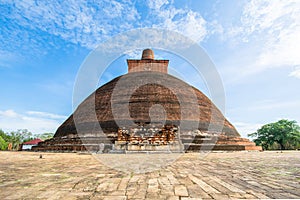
(28, 145)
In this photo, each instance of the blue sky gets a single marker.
(254, 45)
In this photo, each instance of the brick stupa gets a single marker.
(137, 130)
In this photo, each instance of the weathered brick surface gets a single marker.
(154, 88)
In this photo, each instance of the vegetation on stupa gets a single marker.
(280, 135)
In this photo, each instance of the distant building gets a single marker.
(26, 146)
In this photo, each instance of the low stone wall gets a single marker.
(186, 143)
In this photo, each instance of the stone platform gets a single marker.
(187, 143)
(222, 175)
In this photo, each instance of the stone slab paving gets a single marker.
(222, 175)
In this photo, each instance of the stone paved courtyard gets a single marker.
(223, 175)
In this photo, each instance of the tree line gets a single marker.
(15, 138)
(281, 135)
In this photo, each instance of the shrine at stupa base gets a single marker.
(157, 102)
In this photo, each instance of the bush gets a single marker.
(3, 144)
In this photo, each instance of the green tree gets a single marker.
(4, 135)
(18, 137)
(4, 140)
(283, 134)
(45, 136)
(3, 144)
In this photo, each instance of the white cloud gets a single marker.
(278, 22)
(246, 128)
(34, 121)
(271, 105)
(6, 58)
(273, 28)
(86, 23)
(9, 113)
(45, 115)
(38, 26)
(295, 73)
(156, 5)
(134, 54)
(266, 106)
(185, 21)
